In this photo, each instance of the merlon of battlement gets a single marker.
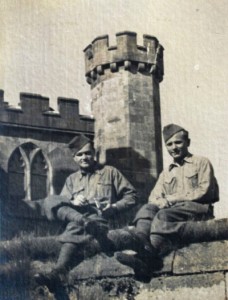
(67, 106)
(99, 55)
(34, 102)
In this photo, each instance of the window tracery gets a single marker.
(29, 173)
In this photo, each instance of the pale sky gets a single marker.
(41, 51)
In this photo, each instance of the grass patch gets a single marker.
(17, 268)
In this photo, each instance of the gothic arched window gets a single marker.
(29, 174)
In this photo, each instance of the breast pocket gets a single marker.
(104, 189)
(170, 185)
(192, 179)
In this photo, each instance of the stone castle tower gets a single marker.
(124, 83)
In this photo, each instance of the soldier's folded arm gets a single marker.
(125, 192)
(67, 190)
(157, 196)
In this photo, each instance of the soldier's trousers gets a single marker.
(166, 224)
(82, 224)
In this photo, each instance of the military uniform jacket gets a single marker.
(105, 183)
(194, 180)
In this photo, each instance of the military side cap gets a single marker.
(170, 130)
(78, 142)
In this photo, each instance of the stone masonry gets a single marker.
(193, 272)
(124, 83)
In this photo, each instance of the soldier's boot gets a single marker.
(163, 245)
(131, 239)
(96, 226)
(143, 265)
(143, 226)
(121, 239)
(68, 256)
(144, 262)
(146, 259)
(141, 269)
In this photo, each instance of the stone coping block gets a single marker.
(189, 287)
(167, 265)
(202, 257)
(100, 266)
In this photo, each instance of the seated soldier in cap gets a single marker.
(90, 198)
(185, 191)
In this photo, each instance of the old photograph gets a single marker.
(113, 149)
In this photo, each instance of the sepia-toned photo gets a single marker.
(113, 157)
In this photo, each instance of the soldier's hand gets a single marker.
(174, 198)
(162, 203)
(80, 200)
(109, 210)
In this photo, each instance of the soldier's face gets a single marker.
(85, 157)
(177, 146)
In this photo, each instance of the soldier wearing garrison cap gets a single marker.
(186, 190)
(78, 142)
(170, 130)
(91, 198)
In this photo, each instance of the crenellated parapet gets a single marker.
(34, 111)
(100, 56)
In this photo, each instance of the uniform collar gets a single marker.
(95, 170)
(187, 159)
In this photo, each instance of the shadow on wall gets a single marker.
(135, 167)
(63, 165)
(137, 170)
